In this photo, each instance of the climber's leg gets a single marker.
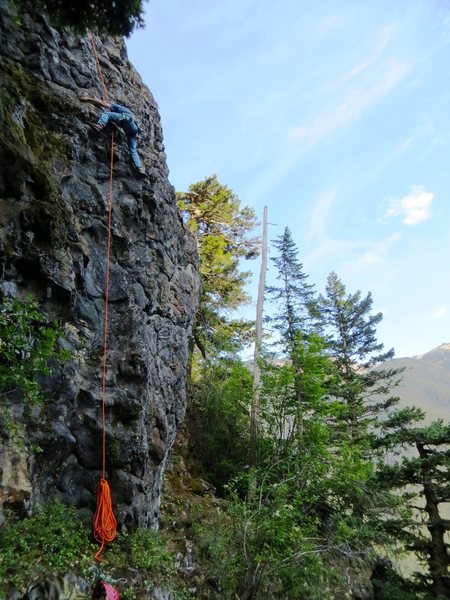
(132, 147)
(107, 117)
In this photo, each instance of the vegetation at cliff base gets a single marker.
(56, 541)
(53, 540)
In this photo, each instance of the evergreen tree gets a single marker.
(421, 479)
(106, 16)
(292, 319)
(293, 297)
(221, 227)
(351, 333)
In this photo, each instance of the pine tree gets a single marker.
(293, 297)
(351, 333)
(106, 16)
(221, 228)
(422, 480)
(292, 319)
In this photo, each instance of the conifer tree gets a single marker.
(293, 297)
(292, 319)
(221, 228)
(421, 480)
(106, 16)
(351, 333)
(360, 393)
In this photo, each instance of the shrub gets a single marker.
(53, 540)
(27, 345)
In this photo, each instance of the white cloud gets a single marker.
(439, 313)
(370, 258)
(415, 207)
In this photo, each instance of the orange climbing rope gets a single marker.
(105, 524)
(99, 68)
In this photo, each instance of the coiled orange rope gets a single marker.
(105, 524)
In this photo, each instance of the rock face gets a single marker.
(54, 183)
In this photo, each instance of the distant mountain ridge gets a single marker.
(426, 382)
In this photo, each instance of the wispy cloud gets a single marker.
(414, 208)
(331, 247)
(328, 24)
(377, 252)
(356, 101)
(349, 95)
(358, 254)
(439, 313)
(370, 258)
(319, 214)
(377, 51)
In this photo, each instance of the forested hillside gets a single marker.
(426, 381)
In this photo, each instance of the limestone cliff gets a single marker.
(54, 182)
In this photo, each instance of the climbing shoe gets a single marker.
(140, 171)
(98, 128)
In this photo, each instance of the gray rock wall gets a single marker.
(54, 178)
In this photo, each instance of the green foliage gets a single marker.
(221, 228)
(293, 532)
(107, 16)
(54, 540)
(263, 549)
(128, 594)
(293, 320)
(145, 550)
(149, 553)
(27, 346)
(218, 419)
(425, 473)
(308, 521)
(283, 418)
(350, 331)
(293, 297)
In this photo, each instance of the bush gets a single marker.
(27, 345)
(218, 420)
(54, 540)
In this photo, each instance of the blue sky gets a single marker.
(334, 114)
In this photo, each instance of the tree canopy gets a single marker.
(221, 228)
(112, 17)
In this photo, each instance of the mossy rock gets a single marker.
(33, 151)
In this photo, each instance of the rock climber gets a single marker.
(123, 118)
